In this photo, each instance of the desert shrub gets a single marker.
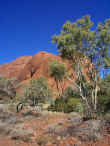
(80, 108)
(69, 92)
(36, 92)
(66, 106)
(104, 103)
(59, 105)
(7, 87)
(67, 102)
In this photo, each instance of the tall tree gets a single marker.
(78, 42)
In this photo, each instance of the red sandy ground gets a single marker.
(40, 126)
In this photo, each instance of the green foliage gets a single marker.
(75, 37)
(80, 108)
(66, 103)
(78, 39)
(73, 102)
(104, 95)
(107, 62)
(37, 91)
(69, 92)
(57, 70)
(105, 85)
(7, 87)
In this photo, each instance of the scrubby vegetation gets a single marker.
(35, 93)
(67, 102)
(7, 87)
(104, 95)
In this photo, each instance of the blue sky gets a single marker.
(26, 26)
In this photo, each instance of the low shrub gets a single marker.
(66, 106)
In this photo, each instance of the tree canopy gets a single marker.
(80, 39)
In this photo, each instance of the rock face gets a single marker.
(14, 68)
(38, 66)
(28, 67)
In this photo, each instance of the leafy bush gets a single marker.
(35, 93)
(66, 106)
(7, 87)
(80, 108)
(67, 102)
(69, 92)
(104, 102)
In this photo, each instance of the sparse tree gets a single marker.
(36, 92)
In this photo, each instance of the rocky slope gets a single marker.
(25, 68)
(38, 66)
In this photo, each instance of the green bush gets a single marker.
(7, 87)
(36, 92)
(66, 106)
(69, 93)
(80, 108)
(104, 103)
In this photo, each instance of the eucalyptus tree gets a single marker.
(58, 72)
(77, 42)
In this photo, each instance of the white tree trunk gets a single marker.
(95, 100)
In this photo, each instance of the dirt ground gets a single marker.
(47, 129)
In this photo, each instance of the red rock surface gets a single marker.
(38, 66)
(14, 68)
